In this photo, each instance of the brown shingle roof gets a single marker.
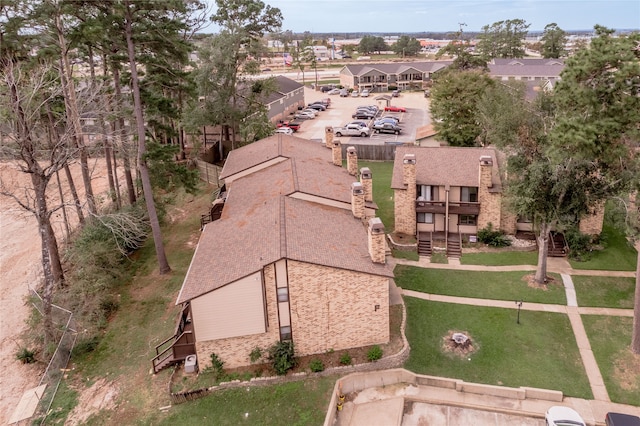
(260, 223)
(444, 165)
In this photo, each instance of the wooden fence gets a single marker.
(386, 152)
(209, 173)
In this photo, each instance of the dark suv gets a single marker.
(387, 128)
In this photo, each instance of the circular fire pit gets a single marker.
(459, 343)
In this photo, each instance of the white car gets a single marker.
(563, 416)
(334, 92)
(285, 130)
(355, 94)
(364, 94)
(305, 115)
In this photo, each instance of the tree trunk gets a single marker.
(74, 193)
(635, 334)
(163, 264)
(121, 134)
(543, 248)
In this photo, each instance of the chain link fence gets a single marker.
(65, 326)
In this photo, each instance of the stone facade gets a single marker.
(328, 137)
(366, 179)
(336, 153)
(405, 199)
(591, 224)
(352, 161)
(234, 351)
(357, 200)
(490, 201)
(376, 235)
(336, 309)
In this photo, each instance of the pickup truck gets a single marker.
(351, 130)
(387, 128)
(293, 125)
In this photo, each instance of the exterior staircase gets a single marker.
(557, 245)
(178, 347)
(425, 244)
(454, 246)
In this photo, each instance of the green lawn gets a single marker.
(608, 292)
(539, 352)
(381, 172)
(483, 285)
(618, 254)
(501, 258)
(610, 339)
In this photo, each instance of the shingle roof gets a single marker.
(260, 223)
(528, 61)
(444, 165)
(396, 68)
(526, 70)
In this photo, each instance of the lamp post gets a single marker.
(519, 305)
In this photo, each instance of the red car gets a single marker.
(293, 125)
(392, 108)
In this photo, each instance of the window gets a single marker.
(467, 219)
(428, 192)
(283, 294)
(425, 218)
(285, 333)
(469, 194)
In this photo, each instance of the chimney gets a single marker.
(409, 175)
(375, 233)
(352, 161)
(336, 151)
(357, 200)
(486, 166)
(328, 137)
(367, 183)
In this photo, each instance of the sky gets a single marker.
(385, 16)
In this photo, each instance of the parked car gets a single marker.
(373, 108)
(291, 124)
(355, 94)
(387, 128)
(363, 115)
(304, 115)
(364, 94)
(266, 69)
(619, 419)
(395, 93)
(358, 123)
(351, 130)
(311, 111)
(334, 92)
(393, 108)
(318, 107)
(559, 415)
(390, 120)
(344, 93)
(285, 130)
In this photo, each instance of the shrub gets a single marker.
(26, 356)
(374, 354)
(255, 354)
(579, 244)
(217, 366)
(345, 359)
(493, 238)
(282, 357)
(316, 365)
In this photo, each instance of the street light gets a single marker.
(519, 305)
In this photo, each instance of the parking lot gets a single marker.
(340, 111)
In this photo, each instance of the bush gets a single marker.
(345, 359)
(579, 245)
(316, 365)
(255, 354)
(217, 366)
(282, 357)
(493, 238)
(26, 356)
(374, 354)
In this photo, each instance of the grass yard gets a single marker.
(381, 172)
(610, 339)
(539, 352)
(605, 292)
(295, 403)
(484, 285)
(618, 254)
(501, 258)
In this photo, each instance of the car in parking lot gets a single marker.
(364, 94)
(359, 123)
(387, 128)
(334, 92)
(387, 119)
(363, 114)
(355, 94)
(619, 419)
(318, 107)
(344, 93)
(559, 415)
(304, 115)
(285, 130)
(395, 93)
(373, 108)
(392, 108)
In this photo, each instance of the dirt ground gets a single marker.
(20, 266)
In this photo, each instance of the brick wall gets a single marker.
(404, 199)
(490, 202)
(234, 351)
(591, 224)
(336, 308)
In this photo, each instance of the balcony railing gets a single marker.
(455, 207)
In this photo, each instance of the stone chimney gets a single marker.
(357, 200)
(352, 161)
(490, 201)
(375, 233)
(336, 152)
(367, 183)
(405, 200)
(328, 137)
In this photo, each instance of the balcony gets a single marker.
(455, 207)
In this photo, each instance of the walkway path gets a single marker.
(572, 310)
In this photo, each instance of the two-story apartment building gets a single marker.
(378, 77)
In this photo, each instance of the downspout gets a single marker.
(446, 215)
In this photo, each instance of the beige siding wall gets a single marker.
(234, 310)
(234, 351)
(336, 309)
